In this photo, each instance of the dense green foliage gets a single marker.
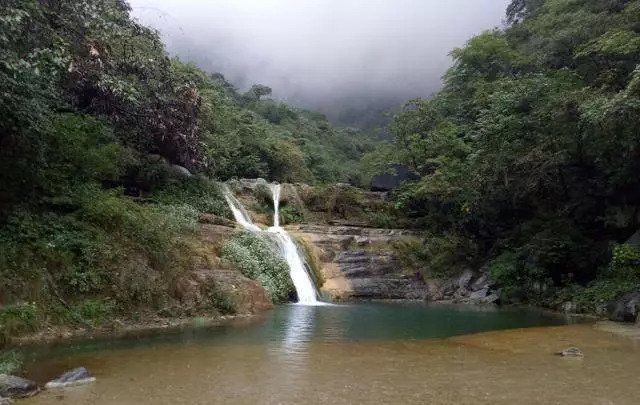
(99, 130)
(259, 260)
(530, 155)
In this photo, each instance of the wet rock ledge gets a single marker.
(363, 263)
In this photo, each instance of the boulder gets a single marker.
(479, 295)
(634, 240)
(493, 298)
(5, 401)
(465, 279)
(626, 308)
(483, 296)
(440, 289)
(17, 387)
(180, 171)
(571, 352)
(482, 282)
(77, 376)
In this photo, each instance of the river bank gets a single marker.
(120, 329)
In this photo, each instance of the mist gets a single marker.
(350, 59)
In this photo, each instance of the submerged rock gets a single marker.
(571, 352)
(5, 401)
(625, 309)
(77, 376)
(17, 387)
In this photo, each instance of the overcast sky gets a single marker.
(319, 53)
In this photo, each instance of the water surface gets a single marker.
(367, 353)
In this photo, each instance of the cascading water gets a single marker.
(239, 213)
(301, 280)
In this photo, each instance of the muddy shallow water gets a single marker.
(370, 353)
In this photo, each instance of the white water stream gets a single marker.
(301, 280)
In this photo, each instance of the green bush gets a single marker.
(291, 214)
(620, 277)
(10, 361)
(259, 260)
(96, 311)
(438, 255)
(221, 302)
(111, 246)
(18, 319)
(517, 278)
(382, 219)
(201, 193)
(625, 263)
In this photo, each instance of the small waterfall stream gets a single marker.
(301, 280)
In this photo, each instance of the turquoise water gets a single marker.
(296, 324)
(361, 353)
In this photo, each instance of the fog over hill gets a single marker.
(347, 58)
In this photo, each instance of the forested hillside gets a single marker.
(99, 129)
(110, 152)
(530, 155)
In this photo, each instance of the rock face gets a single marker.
(625, 309)
(360, 263)
(209, 280)
(17, 387)
(469, 287)
(634, 240)
(77, 376)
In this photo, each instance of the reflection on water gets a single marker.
(355, 354)
(299, 327)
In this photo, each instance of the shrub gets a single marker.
(517, 278)
(110, 246)
(221, 302)
(621, 276)
(96, 311)
(258, 259)
(291, 214)
(10, 361)
(439, 255)
(625, 263)
(200, 193)
(17, 319)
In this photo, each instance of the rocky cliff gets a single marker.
(359, 263)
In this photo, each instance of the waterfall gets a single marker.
(239, 213)
(301, 280)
